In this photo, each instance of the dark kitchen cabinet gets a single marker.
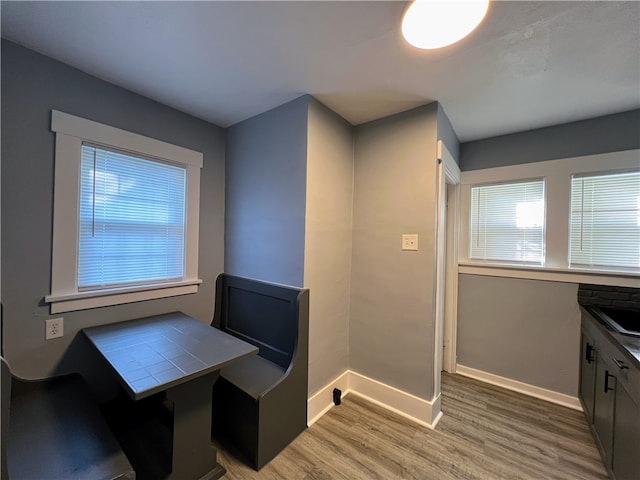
(603, 410)
(610, 394)
(587, 373)
(626, 448)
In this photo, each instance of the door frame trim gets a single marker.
(446, 294)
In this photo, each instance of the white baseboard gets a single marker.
(520, 387)
(321, 402)
(391, 398)
(409, 406)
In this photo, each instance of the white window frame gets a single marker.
(71, 132)
(557, 175)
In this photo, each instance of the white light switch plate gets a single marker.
(409, 241)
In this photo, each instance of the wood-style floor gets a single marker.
(487, 433)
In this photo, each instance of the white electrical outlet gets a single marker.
(54, 328)
(409, 242)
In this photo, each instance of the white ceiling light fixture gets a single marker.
(429, 24)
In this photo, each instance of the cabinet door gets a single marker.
(626, 442)
(587, 374)
(603, 408)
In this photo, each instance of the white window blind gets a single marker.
(132, 220)
(508, 222)
(605, 221)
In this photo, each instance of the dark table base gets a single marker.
(146, 429)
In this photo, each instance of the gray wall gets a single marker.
(327, 268)
(610, 133)
(448, 135)
(391, 329)
(32, 85)
(266, 168)
(525, 330)
(528, 330)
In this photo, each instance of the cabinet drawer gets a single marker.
(627, 374)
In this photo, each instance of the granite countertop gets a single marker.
(629, 343)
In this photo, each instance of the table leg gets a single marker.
(193, 457)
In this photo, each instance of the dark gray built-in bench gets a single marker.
(53, 429)
(260, 403)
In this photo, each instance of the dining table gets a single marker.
(181, 356)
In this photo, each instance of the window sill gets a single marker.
(552, 274)
(61, 303)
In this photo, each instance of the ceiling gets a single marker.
(528, 65)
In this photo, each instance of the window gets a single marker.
(132, 213)
(605, 221)
(584, 215)
(126, 211)
(507, 222)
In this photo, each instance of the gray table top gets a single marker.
(152, 354)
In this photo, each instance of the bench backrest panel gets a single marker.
(263, 314)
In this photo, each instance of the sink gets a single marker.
(622, 321)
